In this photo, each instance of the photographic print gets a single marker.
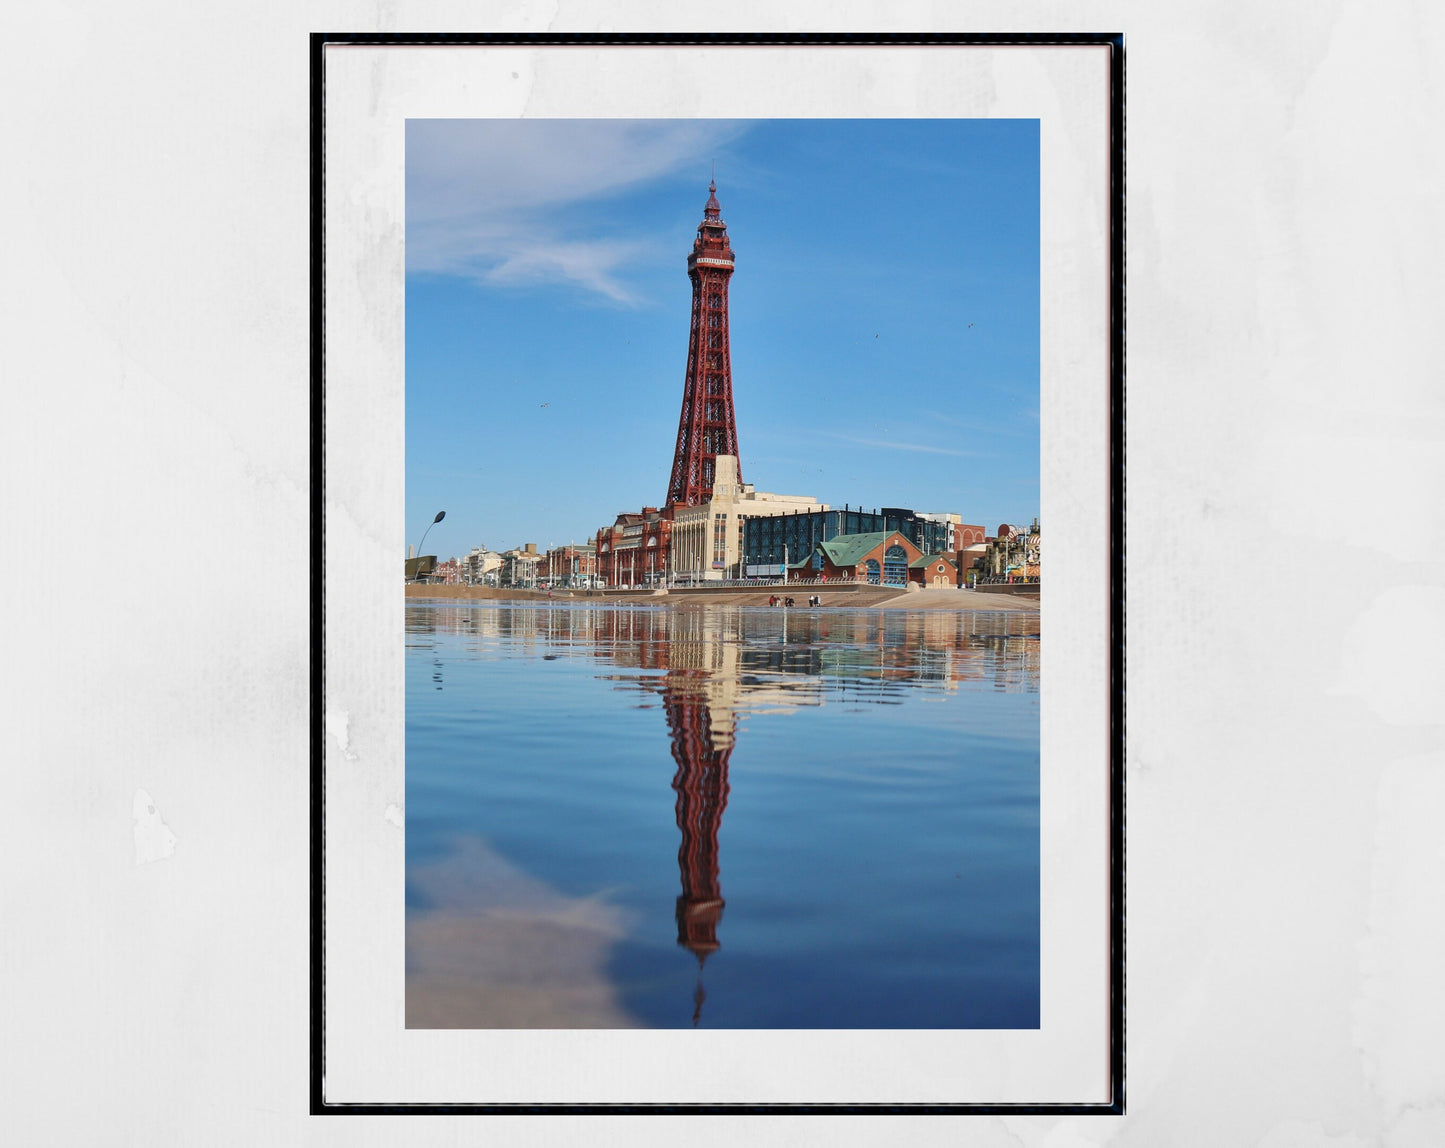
(693, 416)
(722, 626)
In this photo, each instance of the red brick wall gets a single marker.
(925, 575)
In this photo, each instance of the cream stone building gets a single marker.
(707, 538)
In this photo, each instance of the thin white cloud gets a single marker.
(523, 201)
(989, 428)
(591, 264)
(887, 444)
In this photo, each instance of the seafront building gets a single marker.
(633, 551)
(570, 565)
(481, 567)
(707, 539)
(519, 567)
(934, 571)
(1014, 553)
(769, 543)
(879, 558)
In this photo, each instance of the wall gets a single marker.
(1285, 868)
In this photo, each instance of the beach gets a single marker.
(843, 596)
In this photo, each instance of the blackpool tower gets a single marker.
(707, 427)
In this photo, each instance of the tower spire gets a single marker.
(707, 426)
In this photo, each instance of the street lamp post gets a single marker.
(440, 515)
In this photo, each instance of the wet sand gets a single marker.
(961, 600)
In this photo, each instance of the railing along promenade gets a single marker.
(723, 586)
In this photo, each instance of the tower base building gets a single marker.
(707, 538)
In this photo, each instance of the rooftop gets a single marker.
(848, 549)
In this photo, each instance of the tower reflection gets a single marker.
(701, 749)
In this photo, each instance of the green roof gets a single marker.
(849, 549)
(924, 559)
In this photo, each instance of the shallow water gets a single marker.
(721, 817)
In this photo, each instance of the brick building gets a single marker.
(633, 551)
(881, 558)
(569, 565)
(934, 571)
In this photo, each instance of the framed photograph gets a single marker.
(696, 729)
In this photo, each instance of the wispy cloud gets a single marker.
(888, 444)
(1013, 430)
(518, 201)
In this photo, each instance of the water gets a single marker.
(721, 817)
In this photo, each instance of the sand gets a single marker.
(865, 598)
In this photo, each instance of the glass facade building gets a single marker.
(764, 539)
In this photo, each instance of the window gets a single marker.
(895, 566)
(872, 566)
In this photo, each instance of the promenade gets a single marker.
(843, 596)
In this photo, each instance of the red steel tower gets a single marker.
(707, 426)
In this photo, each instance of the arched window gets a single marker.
(895, 566)
(872, 565)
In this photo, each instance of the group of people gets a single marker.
(774, 600)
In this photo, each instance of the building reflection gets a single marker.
(768, 652)
(712, 667)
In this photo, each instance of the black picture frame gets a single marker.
(1114, 42)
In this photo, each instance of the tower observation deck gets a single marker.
(707, 426)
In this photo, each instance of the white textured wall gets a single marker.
(1287, 768)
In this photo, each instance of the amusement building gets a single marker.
(714, 527)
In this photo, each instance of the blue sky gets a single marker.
(884, 316)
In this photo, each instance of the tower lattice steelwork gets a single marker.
(707, 426)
